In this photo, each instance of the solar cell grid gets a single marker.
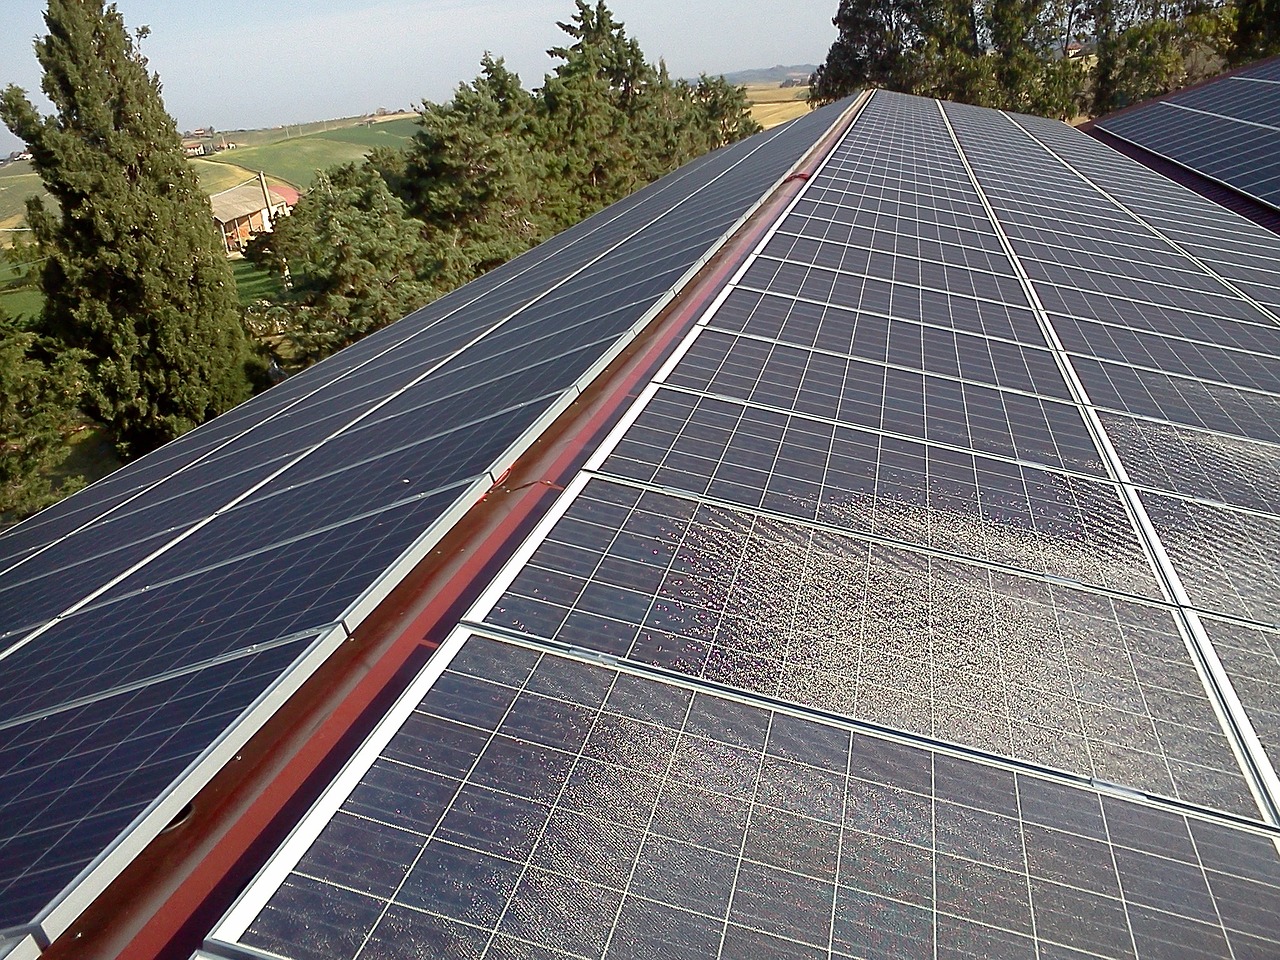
(887, 486)
(1173, 355)
(650, 818)
(1235, 248)
(1198, 463)
(1251, 656)
(125, 749)
(1254, 103)
(397, 369)
(1228, 151)
(1181, 400)
(1094, 685)
(863, 335)
(889, 398)
(302, 549)
(198, 611)
(1220, 331)
(1228, 558)
(743, 562)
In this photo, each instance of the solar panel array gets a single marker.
(1227, 130)
(150, 620)
(923, 605)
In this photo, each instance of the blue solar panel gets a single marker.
(922, 605)
(1227, 130)
(278, 517)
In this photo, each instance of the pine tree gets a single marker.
(136, 276)
(473, 173)
(874, 48)
(1257, 32)
(39, 391)
(354, 261)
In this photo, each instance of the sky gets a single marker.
(259, 63)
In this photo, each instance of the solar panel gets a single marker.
(1227, 129)
(536, 804)
(921, 605)
(295, 512)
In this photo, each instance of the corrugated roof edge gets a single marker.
(57, 919)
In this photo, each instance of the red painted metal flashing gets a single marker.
(165, 902)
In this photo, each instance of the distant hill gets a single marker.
(772, 74)
(298, 159)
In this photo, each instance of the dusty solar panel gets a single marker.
(923, 605)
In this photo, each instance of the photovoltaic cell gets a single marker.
(1199, 463)
(279, 516)
(951, 650)
(857, 638)
(886, 486)
(535, 805)
(1230, 559)
(73, 780)
(1227, 130)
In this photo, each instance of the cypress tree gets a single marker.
(38, 393)
(136, 276)
(354, 261)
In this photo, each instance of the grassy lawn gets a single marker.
(389, 133)
(216, 177)
(253, 283)
(91, 456)
(295, 161)
(17, 182)
(24, 302)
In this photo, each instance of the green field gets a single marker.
(298, 159)
(24, 302)
(17, 182)
(280, 152)
(388, 133)
(254, 283)
(216, 177)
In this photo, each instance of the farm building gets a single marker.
(247, 210)
(862, 542)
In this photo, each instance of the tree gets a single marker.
(874, 48)
(39, 392)
(135, 274)
(1257, 30)
(354, 261)
(473, 175)
(498, 169)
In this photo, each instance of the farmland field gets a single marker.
(215, 177)
(772, 105)
(25, 301)
(297, 159)
(17, 182)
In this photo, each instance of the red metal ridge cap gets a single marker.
(166, 901)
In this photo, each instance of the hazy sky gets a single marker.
(255, 63)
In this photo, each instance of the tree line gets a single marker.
(490, 173)
(141, 329)
(1056, 58)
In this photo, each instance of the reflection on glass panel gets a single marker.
(954, 501)
(1197, 463)
(943, 648)
(1229, 560)
(660, 822)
